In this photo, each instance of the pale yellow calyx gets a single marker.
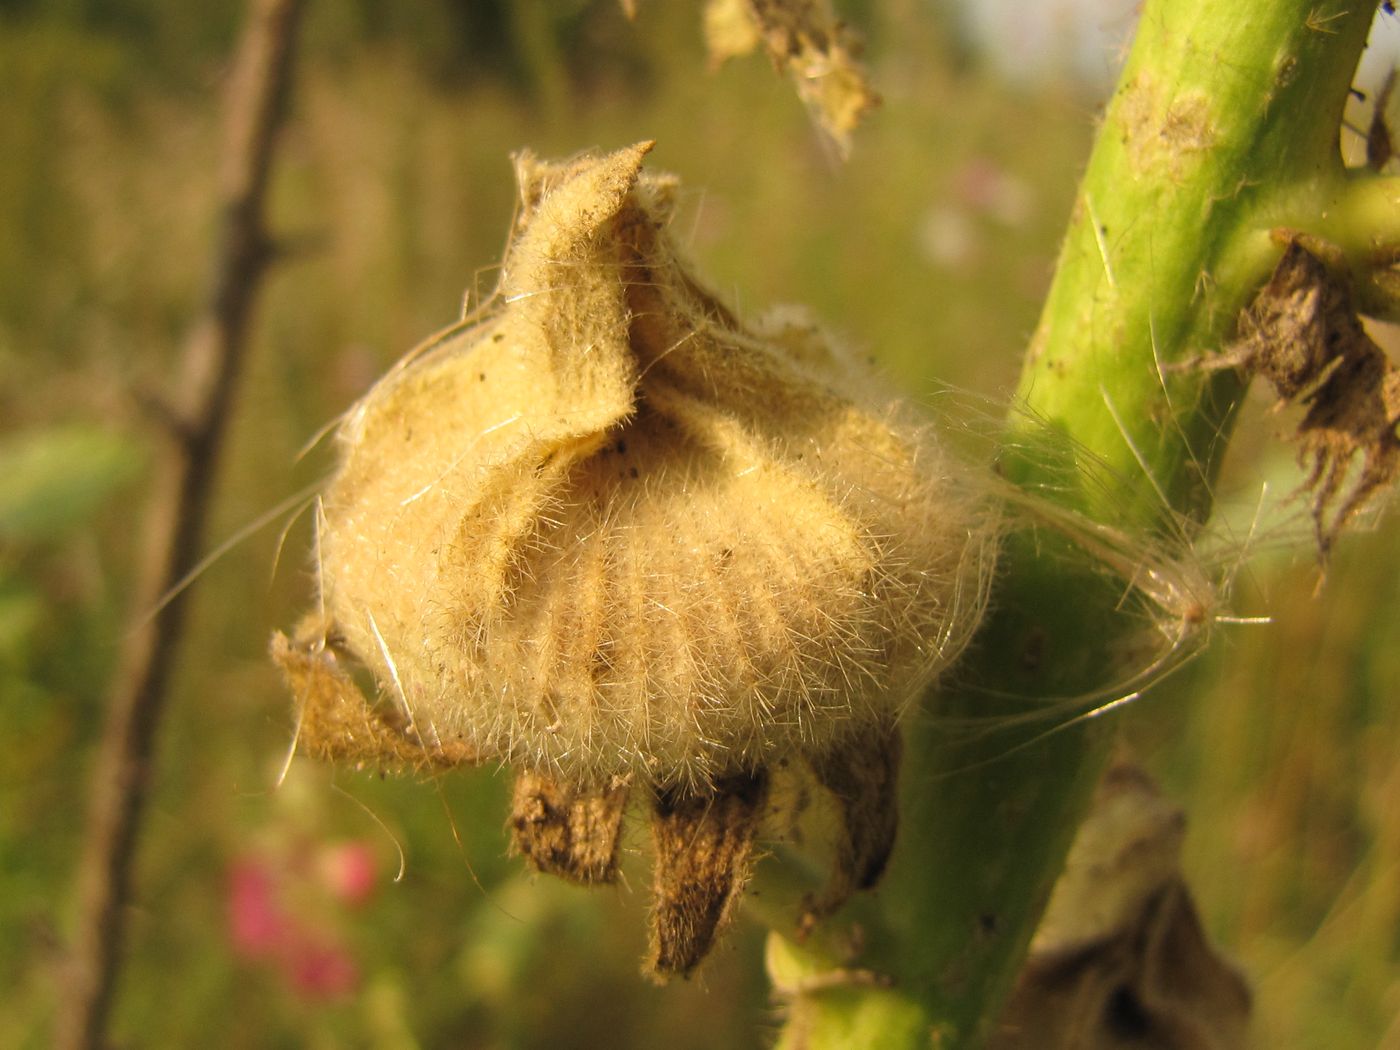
(613, 531)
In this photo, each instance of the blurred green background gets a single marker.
(273, 917)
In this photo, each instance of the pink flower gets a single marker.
(321, 971)
(283, 911)
(256, 924)
(349, 871)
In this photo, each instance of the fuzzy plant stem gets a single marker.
(197, 420)
(1224, 126)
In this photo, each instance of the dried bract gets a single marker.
(1303, 335)
(616, 537)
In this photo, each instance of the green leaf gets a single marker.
(20, 612)
(52, 480)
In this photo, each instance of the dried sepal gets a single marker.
(571, 832)
(1380, 140)
(862, 774)
(702, 846)
(335, 722)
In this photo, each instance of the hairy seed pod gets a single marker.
(612, 534)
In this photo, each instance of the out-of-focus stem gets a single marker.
(198, 415)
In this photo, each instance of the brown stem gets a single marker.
(175, 523)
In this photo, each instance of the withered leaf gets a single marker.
(815, 48)
(1120, 961)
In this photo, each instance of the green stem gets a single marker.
(1225, 124)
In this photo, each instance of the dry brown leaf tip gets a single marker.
(610, 534)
